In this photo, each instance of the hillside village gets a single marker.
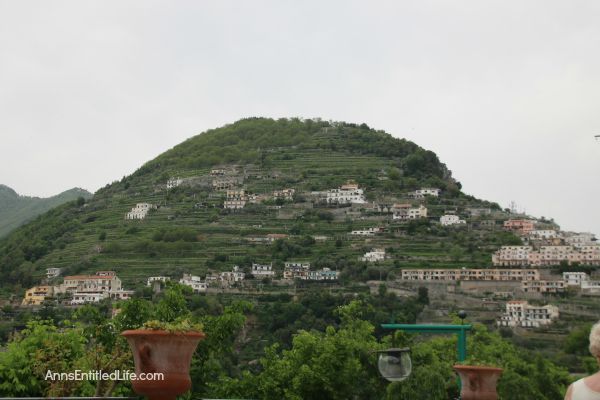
(284, 223)
(520, 272)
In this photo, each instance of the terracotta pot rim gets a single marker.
(478, 367)
(160, 332)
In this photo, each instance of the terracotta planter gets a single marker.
(164, 352)
(478, 383)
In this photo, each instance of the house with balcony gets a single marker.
(231, 277)
(36, 295)
(349, 193)
(520, 313)
(195, 282)
(160, 279)
(410, 213)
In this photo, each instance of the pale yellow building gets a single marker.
(36, 295)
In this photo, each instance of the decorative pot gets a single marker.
(169, 353)
(478, 383)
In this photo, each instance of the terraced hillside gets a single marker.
(188, 230)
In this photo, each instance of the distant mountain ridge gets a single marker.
(16, 210)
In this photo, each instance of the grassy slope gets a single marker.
(17, 210)
(306, 155)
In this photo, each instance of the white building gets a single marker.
(374, 256)
(581, 239)
(262, 270)
(575, 278)
(522, 314)
(194, 282)
(449, 219)
(139, 211)
(346, 194)
(152, 279)
(52, 272)
(174, 182)
(421, 193)
(367, 232)
(88, 297)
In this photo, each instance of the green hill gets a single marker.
(191, 232)
(16, 210)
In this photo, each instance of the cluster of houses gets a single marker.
(292, 270)
(80, 288)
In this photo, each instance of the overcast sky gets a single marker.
(507, 93)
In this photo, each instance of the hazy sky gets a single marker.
(507, 93)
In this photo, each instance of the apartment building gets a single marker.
(508, 256)
(543, 286)
(464, 274)
(349, 193)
